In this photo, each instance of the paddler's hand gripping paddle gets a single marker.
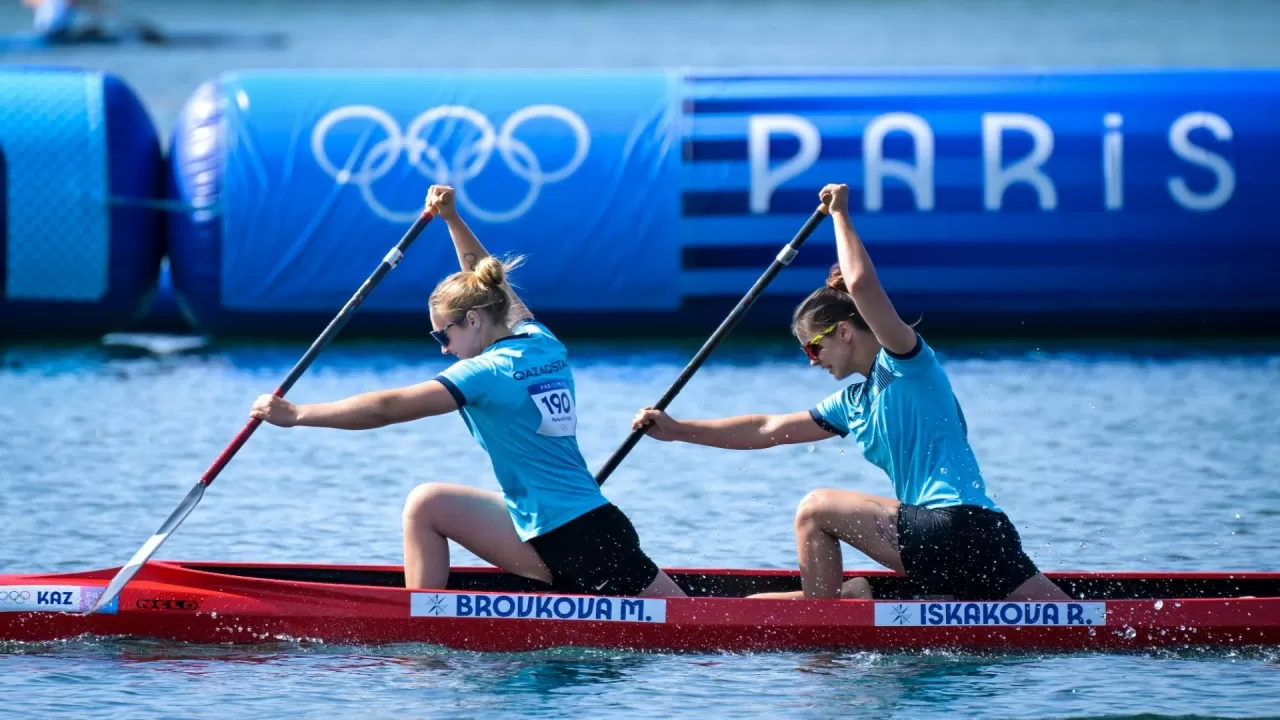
(127, 572)
(785, 256)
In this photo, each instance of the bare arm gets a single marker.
(360, 412)
(466, 244)
(860, 278)
(744, 432)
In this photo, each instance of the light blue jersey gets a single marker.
(518, 401)
(907, 421)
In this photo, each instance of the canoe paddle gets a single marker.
(784, 258)
(127, 572)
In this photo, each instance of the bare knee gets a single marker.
(812, 510)
(421, 501)
(1039, 588)
(858, 588)
(663, 586)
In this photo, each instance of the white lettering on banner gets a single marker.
(1180, 142)
(1113, 162)
(519, 606)
(926, 614)
(876, 168)
(760, 128)
(996, 177)
(51, 598)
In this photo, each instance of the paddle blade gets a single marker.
(149, 548)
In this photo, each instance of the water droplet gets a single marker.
(1159, 604)
(214, 614)
(1237, 516)
(813, 448)
(841, 451)
(1130, 633)
(975, 484)
(944, 472)
(1092, 632)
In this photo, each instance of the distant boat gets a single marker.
(143, 36)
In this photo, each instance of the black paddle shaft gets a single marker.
(390, 261)
(785, 256)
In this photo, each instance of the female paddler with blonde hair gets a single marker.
(513, 386)
(941, 528)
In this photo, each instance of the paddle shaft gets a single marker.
(188, 504)
(785, 256)
(392, 258)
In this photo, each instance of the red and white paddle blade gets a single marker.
(149, 548)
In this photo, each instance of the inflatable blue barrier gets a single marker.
(656, 199)
(80, 165)
(163, 314)
(300, 183)
(1005, 195)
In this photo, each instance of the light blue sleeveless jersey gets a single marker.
(517, 399)
(907, 421)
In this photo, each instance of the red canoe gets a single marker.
(487, 610)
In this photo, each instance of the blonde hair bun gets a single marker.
(491, 273)
(484, 288)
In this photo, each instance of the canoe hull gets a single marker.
(172, 601)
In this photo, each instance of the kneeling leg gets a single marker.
(477, 520)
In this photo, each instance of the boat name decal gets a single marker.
(537, 607)
(923, 614)
(166, 604)
(56, 598)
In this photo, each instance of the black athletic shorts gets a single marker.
(596, 553)
(967, 551)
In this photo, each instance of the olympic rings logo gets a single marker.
(16, 597)
(362, 169)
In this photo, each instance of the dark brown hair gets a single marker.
(826, 306)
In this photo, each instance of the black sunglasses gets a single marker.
(442, 335)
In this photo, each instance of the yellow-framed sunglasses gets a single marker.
(812, 348)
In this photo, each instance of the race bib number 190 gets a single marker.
(552, 398)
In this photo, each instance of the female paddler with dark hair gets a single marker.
(941, 530)
(514, 389)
